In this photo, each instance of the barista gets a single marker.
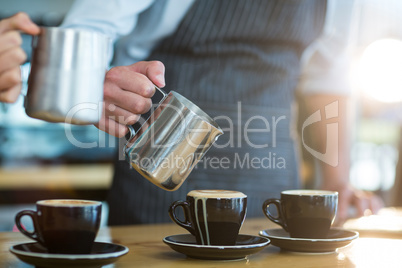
(133, 84)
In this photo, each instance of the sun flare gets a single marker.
(379, 71)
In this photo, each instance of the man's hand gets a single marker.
(12, 55)
(127, 95)
(364, 204)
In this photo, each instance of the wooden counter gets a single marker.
(148, 250)
(28, 184)
(88, 176)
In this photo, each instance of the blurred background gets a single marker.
(37, 161)
(376, 81)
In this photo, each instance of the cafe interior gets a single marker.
(38, 161)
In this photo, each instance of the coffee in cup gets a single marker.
(304, 213)
(65, 226)
(214, 217)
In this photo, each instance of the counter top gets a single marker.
(84, 176)
(146, 249)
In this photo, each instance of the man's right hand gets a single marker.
(127, 94)
(12, 55)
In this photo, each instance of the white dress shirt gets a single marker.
(136, 26)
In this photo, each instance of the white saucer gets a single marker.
(102, 254)
(337, 238)
(245, 245)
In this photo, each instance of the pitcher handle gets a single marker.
(132, 130)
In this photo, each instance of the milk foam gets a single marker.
(68, 203)
(309, 192)
(216, 194)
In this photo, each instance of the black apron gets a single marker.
(239, 61)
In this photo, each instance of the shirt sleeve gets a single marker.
(114, 18)
(326, 62)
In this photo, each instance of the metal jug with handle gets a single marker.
(169, 144)
(68, 69)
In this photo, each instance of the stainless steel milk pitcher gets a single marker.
(168, 145)
(68, 69)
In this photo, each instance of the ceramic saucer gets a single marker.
(337, 238)
(102, 254)
(245, 245)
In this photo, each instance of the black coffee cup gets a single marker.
(214, 217)
(304, 213)
(64, 226)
